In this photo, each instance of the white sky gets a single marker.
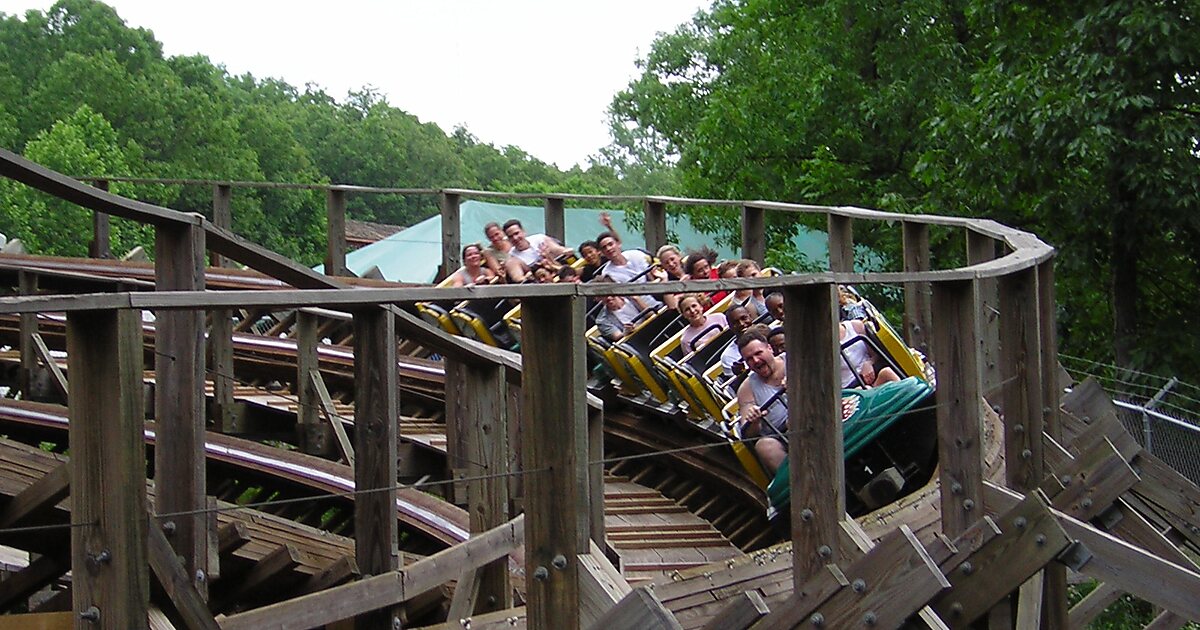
(538, 74)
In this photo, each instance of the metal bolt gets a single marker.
(859, 585)
(870, 618)
(956, 609)
(1086, 503)
(1026, 454)
(968, 505)
(996, 408)
(817, 619)
(956, 488)
(541, 574)
(824, 551)
(200, 576)
(1018, 429)
(967, 568)
(1065, 480)
(398, 625)
(806, 515)
(168, 527)
(92, 614)
(559, 562)
(1020, 522)
(104, 557)
(1040, 540)
(1087, 419)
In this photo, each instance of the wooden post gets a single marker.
(110, 579)
(486, 466)
(376, 416)
(754, 234)
(220, 335)
(451, 234)
(655, 213)
(841, 243)
(458, 425)
(101, 245)
(555, 458)
(179, 399)
(980, 249)
(1054, 606)
(959, 413)
(308, 412)
(917, 312)
(595, 437)
(556, 222)
(1021, 373)
(335, 232)
(814, 427)
(28, 285)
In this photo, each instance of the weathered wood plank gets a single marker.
(388, 589)
(177, 583)
(741, 613)
(57, 378)
(1021, 375)
(959, 417)
(1029, 603)
(309, 404)
(40, 495)
(918, 314)
(601, 586)
(754, 234)
(335, 233)
(841, 243)
(466, 593)
(555, 221)
(485, 418)
(1090, 607)
(331, 416)
(179, 398)
(108, 467)
(655, 213)
(639, 609)
(555, 459)
(33, 578)
(814, 428)
(451, 232)
(376, 412)
(981, 248)
(27, 285)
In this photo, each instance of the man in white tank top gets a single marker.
(767, 377)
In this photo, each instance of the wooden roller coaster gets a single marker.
(277, 448)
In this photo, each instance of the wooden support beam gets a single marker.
(331, 416)
(388, 589)
(1021, 375)
(918, 315)
(1048, 338)
(959, 416)
(1029, 603)
(179, 399)
(338, 572)
(376, 422)
(487, 464)
(101, 243)
(1120, 564)
(335, 233)
(555, 458)
(222, 217)
(1091, 482)
(57, 378)
(744, 611)
(466, 594)
(754, 234)
(40, 495)
(556, 223)
(270, 571)
(1090, 607)
(595, 489)
(1166, 620)
(1030, 538)
(27, 285)
(221, 371)
(177, 584)
(108, 467)
(655, 213)
(639, 609)
(814, 427)
(981, 248)
(19, 586)
(451, 233)
(601, 586)
(841, 243)
(309, 407)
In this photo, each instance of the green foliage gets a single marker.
(182, 117)
(1076, 121)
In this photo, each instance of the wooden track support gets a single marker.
(918, 316)
(981, 248)
(451, 232)
(335, 232)
(555, 221)
(376, 422)
(28, 285)
(754, 234)
(655, 213)
(841, 243)
(1021, 375)
(487, 464)
(108, 466)
(220, 332)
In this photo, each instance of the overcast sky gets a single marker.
(538, 74)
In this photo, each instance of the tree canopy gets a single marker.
(1076, 121)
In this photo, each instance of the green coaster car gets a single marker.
(890, 441)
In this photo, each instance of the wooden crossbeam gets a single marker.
(338, 572)
(331, 415)
(1092, 605)
(42, 494)
(57, 378)
(466, 592)
(175, 581)
(268, 571)
(30, 580)
(745, 610)
(1029, 603)
(388, 589)
(1124, 566)
(639, 609)
(601, 586)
